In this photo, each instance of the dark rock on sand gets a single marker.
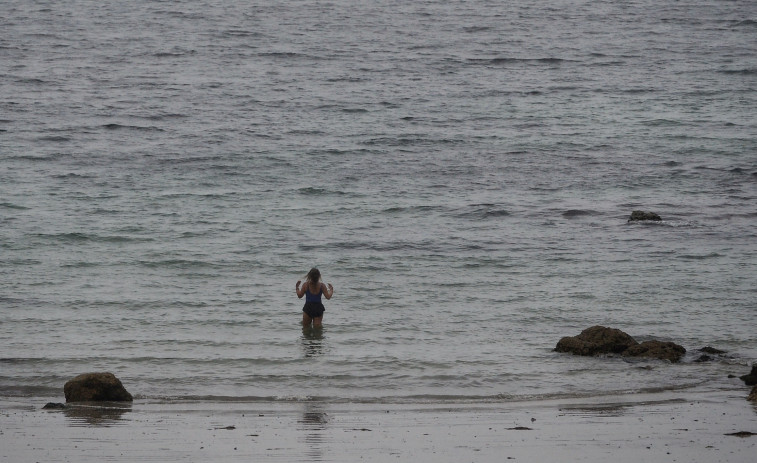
(640, 216)
(751, 378)
(54, 406)
(753, 395)
(663, 350)
(96, 387)
(596, 340)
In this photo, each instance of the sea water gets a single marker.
(462, 172)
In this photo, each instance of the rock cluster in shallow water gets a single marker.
(600, 340)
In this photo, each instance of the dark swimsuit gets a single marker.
(313, 306)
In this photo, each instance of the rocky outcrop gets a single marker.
(753, 395)
(641, 216)
(751, 378)
(599, 340)
(96, 387)
(663, 350)
(596, 340)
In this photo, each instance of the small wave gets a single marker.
(175, 53)
(240, 33)
(745, 215)
(661, 123)
(71, 175)
(162, 117)
(101, 211)
(218, 399)
(474, 29)
(54, 138)
(13, 360)
(289, 56)
(167, 54)
(608, 63)
(39, 158)
(503, 61)
(32, 80)
(639, 91)
(81, 265)
(699, 256)
(314, 191)
(577, 213)
(114, 126)
(351, 79)
(19, 262)
(428, 399)
(746, 71)
(746, 23)
(429, 246)
(412, 209)
(28, 391)
(74, 237)
(661, 223)
(13, 206)
(183, 264)
(482, 211)
(311, 132)
(411, 140)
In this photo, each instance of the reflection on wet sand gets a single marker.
(313, 424)
(100, 415)
(609, 409)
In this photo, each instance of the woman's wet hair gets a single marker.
(314, 275)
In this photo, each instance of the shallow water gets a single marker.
(461, 172)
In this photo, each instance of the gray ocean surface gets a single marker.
(462, 172)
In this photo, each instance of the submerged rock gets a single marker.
(54, 406)
(751, 378)
(596, 340)
(709, 351)
(753, 395)
(640, 216)
(663, 350)
(96, 387)
(599, 340)
(712, 350)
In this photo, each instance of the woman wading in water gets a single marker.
(313, 310)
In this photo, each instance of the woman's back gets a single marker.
(311, 296)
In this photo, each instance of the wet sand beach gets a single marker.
(664, 427)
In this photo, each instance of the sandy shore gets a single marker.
(666, 427)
